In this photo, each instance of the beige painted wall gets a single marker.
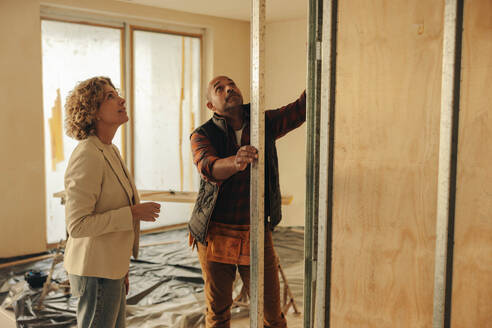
(285, 75)
(23, 230)
(21, 130)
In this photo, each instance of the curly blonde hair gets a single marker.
(82, 105)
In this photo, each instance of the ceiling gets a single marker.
(276, 10)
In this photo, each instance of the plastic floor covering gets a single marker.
(166, 285)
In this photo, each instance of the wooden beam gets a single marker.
(161, 243)
(123, 89)
(130, 88)
(142, 232)
(181, 101)
(171, 196)
(28, 260)
(257, 213)
(164, 228)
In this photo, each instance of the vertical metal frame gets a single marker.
(257, 191)
(327, 139)
(312, 157)
(448, 149)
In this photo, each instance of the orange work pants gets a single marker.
(219, 279)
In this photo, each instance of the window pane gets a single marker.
(71, 53)
(167, 98)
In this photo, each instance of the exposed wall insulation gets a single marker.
(385, 166)
(471, 304)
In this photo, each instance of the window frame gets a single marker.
(132, 29)
(127, 26)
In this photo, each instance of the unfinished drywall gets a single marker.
(22, 204)
(285, 79)
(385, 164)
(226, 51)
(472, 273)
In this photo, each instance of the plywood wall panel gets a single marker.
(386, 157)
(472, 272)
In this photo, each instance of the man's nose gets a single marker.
(229, 89)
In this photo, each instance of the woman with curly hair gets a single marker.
(103, 210)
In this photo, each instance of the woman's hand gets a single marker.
(146, 211)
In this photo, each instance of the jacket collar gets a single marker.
(129, 187)
(221, 122)
(96, 141)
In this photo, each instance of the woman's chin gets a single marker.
(124, 119)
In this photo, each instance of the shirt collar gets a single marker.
(221, 122)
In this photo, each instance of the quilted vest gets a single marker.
(216, 131)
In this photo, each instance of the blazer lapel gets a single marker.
(132, 184)
(128, 187)
(136, 223)
(113, 166)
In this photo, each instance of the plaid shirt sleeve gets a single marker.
(204, 156)
(287, 118)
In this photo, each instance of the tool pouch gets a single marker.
(228, 243)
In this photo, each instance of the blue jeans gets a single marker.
(102, 301)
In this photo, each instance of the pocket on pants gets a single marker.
(228, 243)
(224, 249)
(78, 284)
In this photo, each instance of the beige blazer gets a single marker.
(99, 190)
